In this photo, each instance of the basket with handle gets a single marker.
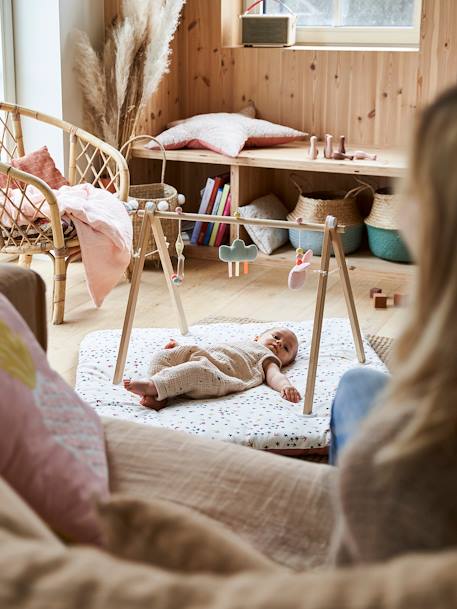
(156, 192)
(384, 238)
(316, 206)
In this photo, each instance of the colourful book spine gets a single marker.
(209, 226)
(209, 209)
(220, 211)
(223, 228)
(202, 209)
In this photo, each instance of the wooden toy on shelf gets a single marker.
(361, 155)
(341, 156)
(328, 149)
(342, 146)
(313, 150)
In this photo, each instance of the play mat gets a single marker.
(259, 418)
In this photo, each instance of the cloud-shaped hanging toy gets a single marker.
(297, 275)
(238, 252)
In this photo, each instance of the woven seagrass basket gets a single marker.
(315, 207)
(384, 238)
(143, 193)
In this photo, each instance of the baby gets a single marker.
(209, 372)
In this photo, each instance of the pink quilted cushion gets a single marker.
(225, 133)
(52, 448)
(40, 164)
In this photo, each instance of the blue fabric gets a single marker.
(355, 397)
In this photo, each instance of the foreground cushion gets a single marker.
(226, 133)
(40, 164)
(17, 517)
(51, 443)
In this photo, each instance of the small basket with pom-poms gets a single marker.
(162, 195)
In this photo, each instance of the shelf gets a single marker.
(351, 48)
(390, 163)
(284, 257)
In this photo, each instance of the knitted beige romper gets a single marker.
(209, 372)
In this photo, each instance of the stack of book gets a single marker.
(216, 201)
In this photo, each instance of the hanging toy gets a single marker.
(178, 277)
(297, 274)
(237, 252)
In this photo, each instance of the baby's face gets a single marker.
(282, 342)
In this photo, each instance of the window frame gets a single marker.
(8, 84)
(360, 35)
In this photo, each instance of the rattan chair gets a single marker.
(90, 160)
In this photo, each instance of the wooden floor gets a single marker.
(263, 295)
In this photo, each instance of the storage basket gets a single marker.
(384, 238)
(315, 207)
(143, 193)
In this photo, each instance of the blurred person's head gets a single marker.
(425, 359)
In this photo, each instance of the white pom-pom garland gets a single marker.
(162, 206)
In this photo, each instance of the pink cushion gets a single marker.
(52, 448)
(40, 164)
(225, 133)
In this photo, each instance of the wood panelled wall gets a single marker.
(371, 96)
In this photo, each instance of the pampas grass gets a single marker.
(117, 83)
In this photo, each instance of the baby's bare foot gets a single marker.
(142, 388)
(150, 402)
(171, 344)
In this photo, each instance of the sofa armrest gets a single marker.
(27, 293)
(283, 507)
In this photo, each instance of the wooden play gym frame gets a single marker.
(152, 221)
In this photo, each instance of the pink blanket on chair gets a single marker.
(102, 223)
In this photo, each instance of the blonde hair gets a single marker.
(425, 357)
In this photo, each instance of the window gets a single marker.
(7, 87)
(368, 22)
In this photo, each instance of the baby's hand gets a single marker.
(171, 344)
(290, 394)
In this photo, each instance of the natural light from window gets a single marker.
(7, 89)
(353, 21)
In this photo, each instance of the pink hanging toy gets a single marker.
(297, 274)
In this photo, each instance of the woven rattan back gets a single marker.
(90, 159)
(11, 145)
(29, 217)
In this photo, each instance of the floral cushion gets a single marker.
(52, 448)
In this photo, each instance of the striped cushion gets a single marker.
(40, 164)
(40, 226)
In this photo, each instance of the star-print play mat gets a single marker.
(259, 418)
